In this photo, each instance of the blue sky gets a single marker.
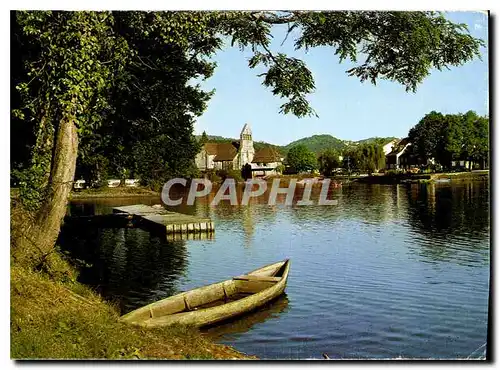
(347, 108)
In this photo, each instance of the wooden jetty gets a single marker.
(165, 222)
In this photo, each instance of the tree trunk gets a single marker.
(43, 146)
(37, 242)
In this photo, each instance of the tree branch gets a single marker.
(272, 56)
(272, 18)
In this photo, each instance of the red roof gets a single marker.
(266, 155)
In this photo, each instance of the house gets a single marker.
(396, 158)
(461, 164)
(236, 154)
(387, 148)
(266, 161)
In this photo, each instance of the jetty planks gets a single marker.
(167, 222)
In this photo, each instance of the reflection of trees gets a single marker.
(238, 217)
(370, 203)
(374, 203)
(127, 265)
(450, 220)
(101, 206)
(248, 224)
(458, 209)
(367, 203)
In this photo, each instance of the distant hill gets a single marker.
(380, 140)
(318, 143)
(315, 143)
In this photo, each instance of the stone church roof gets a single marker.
(222, 151)
(266, 155)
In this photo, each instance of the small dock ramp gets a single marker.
(166, 222)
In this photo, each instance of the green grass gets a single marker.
(113, 192)
(58, 318)
(52, 316)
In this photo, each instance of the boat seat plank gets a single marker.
(257, 278)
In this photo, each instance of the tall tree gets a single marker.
(329, 161)
(301, 159)
(454, 139)
(69, 57)
(78, 67)
(451, 137)
(427, 136)
(204, 138)
(476, 138)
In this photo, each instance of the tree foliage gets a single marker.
(68, 59)
(329, 161)
(301, 159)
(203, 139)
(148, 131)
(398, 46)
(367, 158)
(427, 137)
(451, 137)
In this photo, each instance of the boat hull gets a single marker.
(260, 289)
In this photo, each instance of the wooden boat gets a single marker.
(216, 302)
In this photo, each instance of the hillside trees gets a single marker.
(110, 83)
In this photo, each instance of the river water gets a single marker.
(390, 271)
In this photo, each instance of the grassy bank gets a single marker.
(119, 192)
(425, 178)
(54, 317)
(462, 176)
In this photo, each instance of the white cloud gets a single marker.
(478, 26)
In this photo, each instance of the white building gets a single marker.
(387, 148)
(395, 159)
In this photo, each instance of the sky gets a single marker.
(347, 108)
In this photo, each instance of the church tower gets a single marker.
(246, 146)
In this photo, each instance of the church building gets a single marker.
(235, 155)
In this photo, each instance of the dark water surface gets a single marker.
(390, 271)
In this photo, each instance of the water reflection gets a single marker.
(391, 270)
(441, 209)
(233, 328)
(450, 223)
(126, 265)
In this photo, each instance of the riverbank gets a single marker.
(62, 319)
(423, 178)
(52, 316)
(118, 192)
(131, 192)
